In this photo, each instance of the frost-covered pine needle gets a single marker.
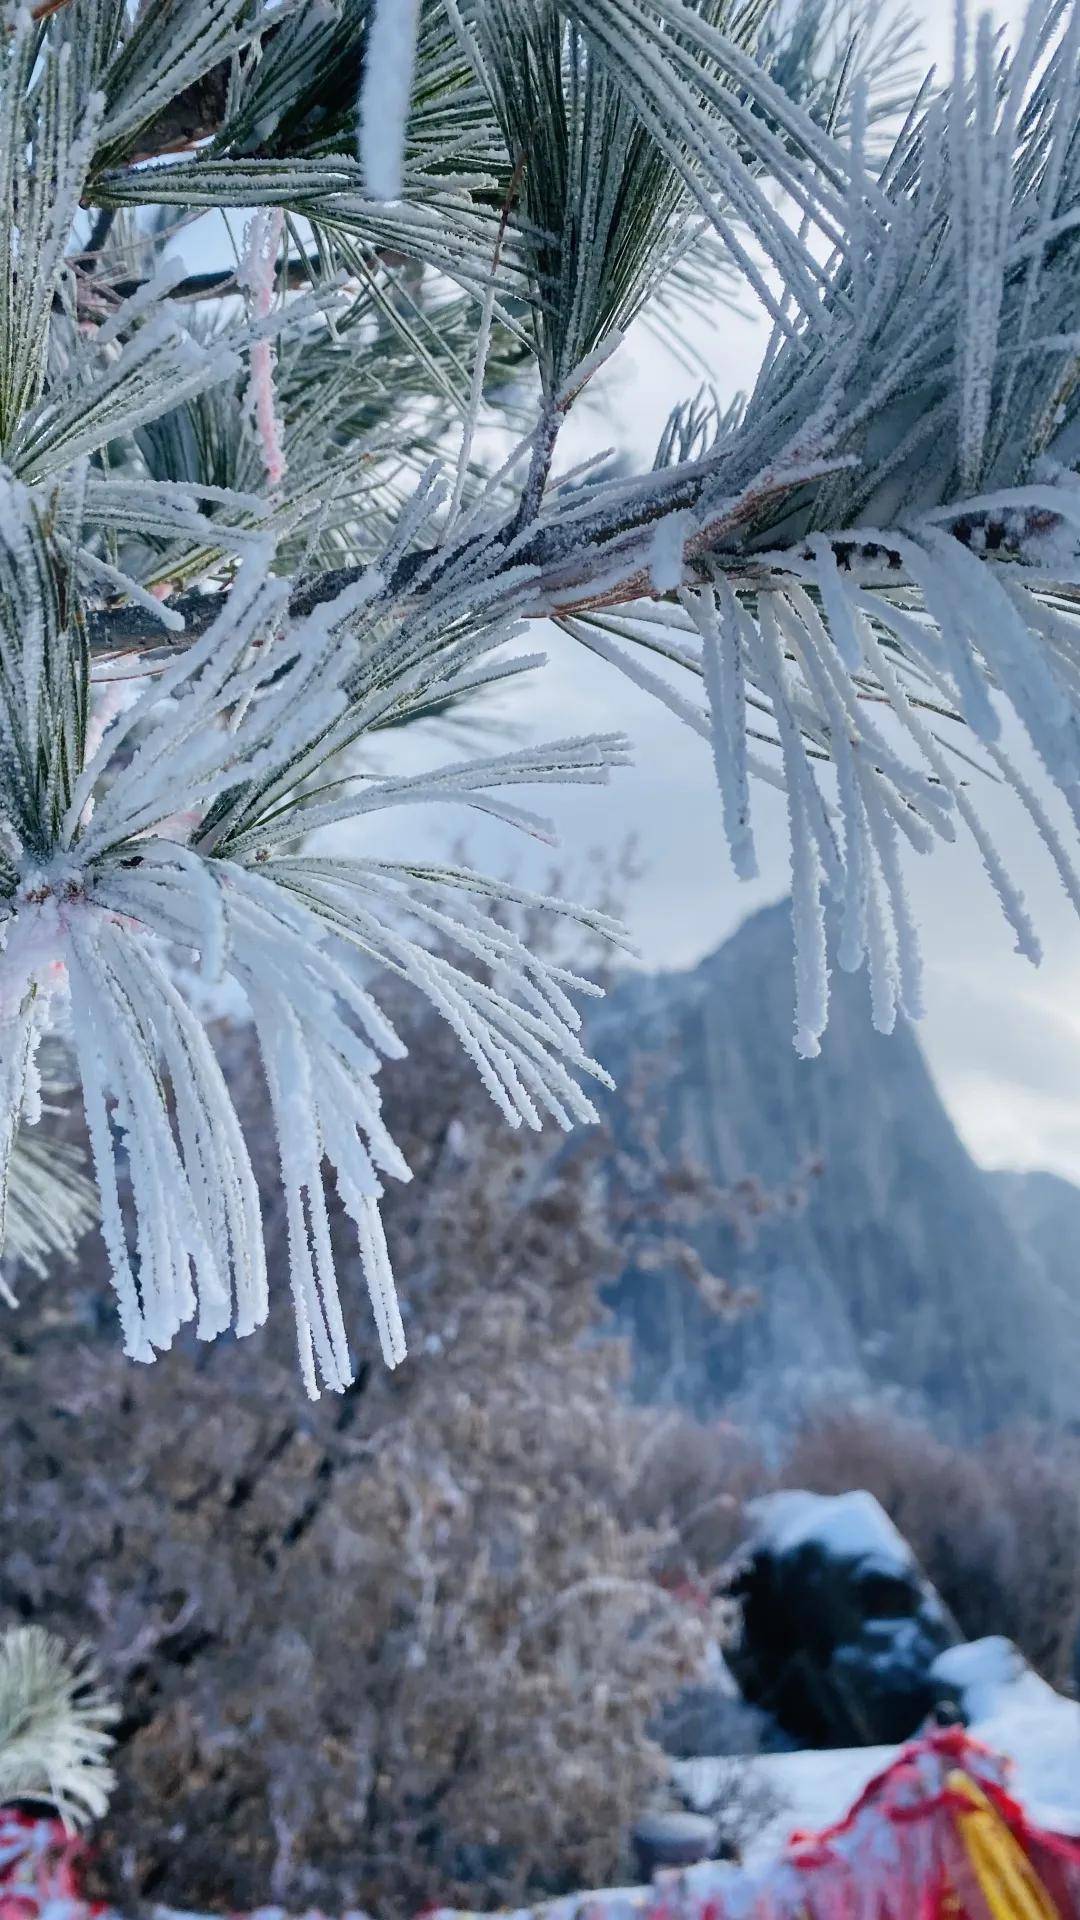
(385, 93)
(167, 840)
(54, 1726)
(850, 587)
(884, 548)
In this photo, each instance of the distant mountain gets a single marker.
(1044, 1212)
(904, 1274)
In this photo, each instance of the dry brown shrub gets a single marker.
(996, 1527)
(401, 1645)
(695, 1479)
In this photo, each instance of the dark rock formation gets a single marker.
(840, 1627)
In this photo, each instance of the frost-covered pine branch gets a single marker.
(239, 538)
(168, 839)
(54, 1726)
(51, 1201)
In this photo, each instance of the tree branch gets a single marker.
(300, 271)
(211, 285)
(574, 564)
(583, 564)
(195, 114)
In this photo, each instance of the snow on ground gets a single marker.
(1010, 1710)
(812, 1791)
(1016, 1713)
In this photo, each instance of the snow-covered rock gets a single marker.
(847, 1526)
(840, 1628)
(671, 1838)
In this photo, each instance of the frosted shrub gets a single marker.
(399, 1645)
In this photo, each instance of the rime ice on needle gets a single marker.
(385, 91)
(843, 580)
(225, 734)
(886, 539)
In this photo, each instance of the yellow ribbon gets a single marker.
(1008, 1881)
